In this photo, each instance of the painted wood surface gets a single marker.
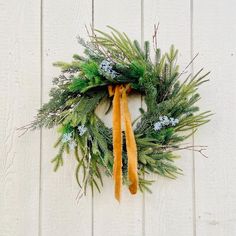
(165, 210)
(214, 36)
(127, 217)
(19, 96)
(61, 211)
(35, 201)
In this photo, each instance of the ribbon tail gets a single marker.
(130, 146)
(117, 143)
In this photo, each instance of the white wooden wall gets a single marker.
(35, 201)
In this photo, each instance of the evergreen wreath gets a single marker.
(112, 67)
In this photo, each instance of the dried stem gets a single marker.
(195, 148)
(154, 37)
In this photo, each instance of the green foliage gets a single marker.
(112, 59)
(78, 85)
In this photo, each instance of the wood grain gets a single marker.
(110, 217)
(169, 209)
(214, 38)
(61, 213)
(35, 201)
(19, 99)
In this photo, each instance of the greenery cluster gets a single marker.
(82, 86)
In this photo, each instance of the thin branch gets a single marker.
(189, 64)
(25, 128)
(195, 148)
(154, 37)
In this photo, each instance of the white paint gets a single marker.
(170, 207)
(129, 213)
(19, 96)
(36, 201)
(61, 214)
(215, 37)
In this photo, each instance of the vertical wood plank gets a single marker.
(61, 213)
(19, 99)
(169, 209)
(214, 38)
(111, 218)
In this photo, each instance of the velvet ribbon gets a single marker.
(120, 105)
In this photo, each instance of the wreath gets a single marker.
(111, 68)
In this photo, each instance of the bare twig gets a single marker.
(189, 64)
(195, 148)
(25, 129)
(154, 37)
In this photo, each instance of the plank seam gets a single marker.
(142, 45)
(193, 154)
(142, 23)
(92, 199)
(41, 133)
(93, 16)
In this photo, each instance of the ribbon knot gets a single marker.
(120, 102)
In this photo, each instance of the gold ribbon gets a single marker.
(120, 94)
